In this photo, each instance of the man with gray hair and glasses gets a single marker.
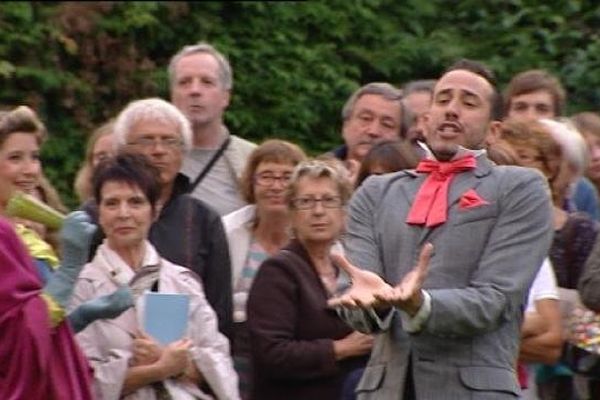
(186, 231)
(200, 82)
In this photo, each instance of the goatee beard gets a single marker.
(446, 153)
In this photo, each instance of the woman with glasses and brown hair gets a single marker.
(257, 231)
(301, 349)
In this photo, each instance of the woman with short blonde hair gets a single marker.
(300, 347)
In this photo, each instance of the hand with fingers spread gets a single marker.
(370, 290)
(407, 295)
(364, 286)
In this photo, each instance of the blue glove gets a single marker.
(76, 238)
(108, 306)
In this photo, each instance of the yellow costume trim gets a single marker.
(55, 311)
(37, 247)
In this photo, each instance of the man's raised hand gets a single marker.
(364, 285)
(370, 290)
(407, 295)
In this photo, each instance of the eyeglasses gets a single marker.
(307, 203)
(268, 179)
(97, 158)
(149, 142)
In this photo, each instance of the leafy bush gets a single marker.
(295, 63)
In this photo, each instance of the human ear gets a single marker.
(494, 133)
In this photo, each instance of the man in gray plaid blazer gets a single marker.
(452, 251)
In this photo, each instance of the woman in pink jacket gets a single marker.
(127, 362)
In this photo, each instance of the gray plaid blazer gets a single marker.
(484, 261)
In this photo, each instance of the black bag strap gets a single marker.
(210, 164)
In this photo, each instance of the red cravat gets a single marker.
(431, 202)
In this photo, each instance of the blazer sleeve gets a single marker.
(272, 317)
(362, 209)
(515, 249)
(365, 251)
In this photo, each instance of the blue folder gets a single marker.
(166, 316)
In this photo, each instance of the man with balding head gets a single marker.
(201, 81)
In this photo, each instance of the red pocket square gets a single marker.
(471, 199)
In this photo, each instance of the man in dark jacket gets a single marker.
(187, 231)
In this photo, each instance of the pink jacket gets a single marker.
(107, 343)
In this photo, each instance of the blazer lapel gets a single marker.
(410, 192)
(465, 181)
(412, 187)
(460, 184)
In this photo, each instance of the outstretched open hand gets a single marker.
(364, 286)
(407, 294)
(370, 290)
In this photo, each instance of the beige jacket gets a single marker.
(107, 343)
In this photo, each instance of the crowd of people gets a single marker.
(442, 251)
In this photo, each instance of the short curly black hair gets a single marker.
(130, 168)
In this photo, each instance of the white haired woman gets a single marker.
(551, 151)
(581, 194)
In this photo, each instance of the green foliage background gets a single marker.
(295, 63)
